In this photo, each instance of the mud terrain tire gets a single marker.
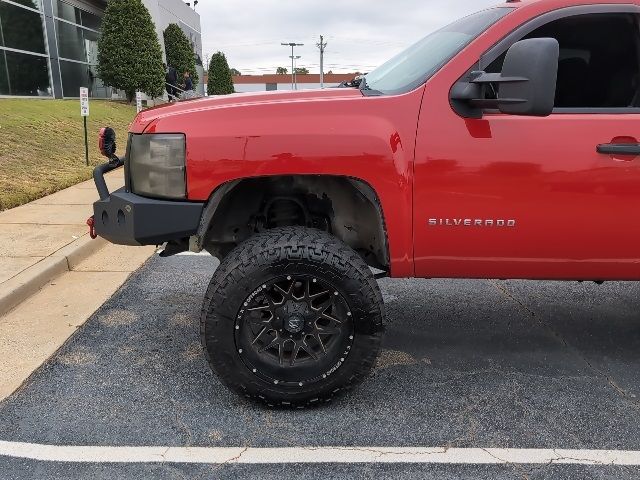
(271, 331)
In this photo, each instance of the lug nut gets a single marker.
(240, 351)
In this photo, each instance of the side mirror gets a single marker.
(526, 85)
(536, 61)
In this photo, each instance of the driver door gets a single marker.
(541, 198)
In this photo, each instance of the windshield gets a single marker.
(417, 63)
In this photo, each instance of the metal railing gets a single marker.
(181, 95)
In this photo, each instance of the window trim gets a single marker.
(26, 52)
(24, 6)
(64, 20)
(84, 7)
(526, 28)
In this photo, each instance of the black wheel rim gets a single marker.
(294, 330)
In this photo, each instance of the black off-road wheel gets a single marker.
(292, 317)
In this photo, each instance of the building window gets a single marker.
(70, 41)
(24, 74)
(74, 75)
(21, 28)
(78, 41)
(24, 66)
(271, 87)
(89, 20)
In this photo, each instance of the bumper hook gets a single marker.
(92, 230)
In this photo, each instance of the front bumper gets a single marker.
(125, 218)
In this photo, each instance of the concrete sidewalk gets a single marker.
(45, 238)
(53, 276)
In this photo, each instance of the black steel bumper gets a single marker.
(128, 219)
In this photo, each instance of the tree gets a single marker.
(235, 71)
(129, 54)
(281, 71)
(180, 54)
(301, 71)
(220, 82)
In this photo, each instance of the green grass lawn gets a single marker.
(42, 144)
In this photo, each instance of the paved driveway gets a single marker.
(468, 364)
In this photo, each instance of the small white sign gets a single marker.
(84, 101)
(138, 101)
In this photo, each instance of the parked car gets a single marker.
(501, 146)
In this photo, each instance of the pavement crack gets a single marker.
(381, 453)
(163, 455)
(510, 296)
(181, 425)
(237, 457)
(589, 461)
(517, 468)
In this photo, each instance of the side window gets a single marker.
(599, 65)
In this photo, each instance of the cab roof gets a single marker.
(523, 3)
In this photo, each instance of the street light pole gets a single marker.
(294, 64)
(292, 45)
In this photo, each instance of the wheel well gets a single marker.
(345, 207)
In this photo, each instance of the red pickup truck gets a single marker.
(501, 146)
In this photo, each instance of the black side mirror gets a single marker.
(527, 83)
(536, 61)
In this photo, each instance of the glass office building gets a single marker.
(49, 48)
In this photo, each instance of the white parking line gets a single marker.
(251, 455)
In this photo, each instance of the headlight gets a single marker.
(157, 165)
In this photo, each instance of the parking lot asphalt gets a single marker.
(465, 363)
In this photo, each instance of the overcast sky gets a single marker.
(361, 34)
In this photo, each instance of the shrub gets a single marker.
(129, 54)
(180, 54)
(220, 82)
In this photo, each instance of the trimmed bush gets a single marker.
(220, 82)
(180, 54)
(129, 54)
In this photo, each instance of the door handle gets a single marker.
(619, 148)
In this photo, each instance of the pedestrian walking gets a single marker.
(188, 83)
(171, 79)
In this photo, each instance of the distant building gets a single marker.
(258, 83)
(49, 48)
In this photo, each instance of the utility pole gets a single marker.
(322, 45)
(292, 45)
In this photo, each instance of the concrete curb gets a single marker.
(26, 283)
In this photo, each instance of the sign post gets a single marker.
(84, 112)
(138, 102)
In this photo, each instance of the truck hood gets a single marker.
(148, 116)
